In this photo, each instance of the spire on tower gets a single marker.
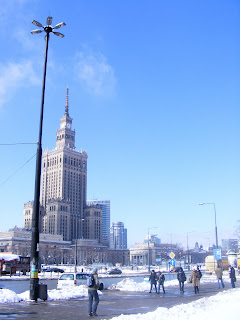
(66, 107)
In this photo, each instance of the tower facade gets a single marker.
(64, 183)
(64, 210)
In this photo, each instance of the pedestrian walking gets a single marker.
(153, 280)
(195, 280)
(93, 286)
(181, 278)
(160, 281)
(232, 276)
(199, 276)
(219, 274)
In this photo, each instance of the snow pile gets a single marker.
(130, 285)
(7, 296)
(63, 294)
(222, 306)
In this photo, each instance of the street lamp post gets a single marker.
(35, 216)
(188, 247)
(149, 248)
(75, 266)
(215, 215)
(76, 255)
(170, 234)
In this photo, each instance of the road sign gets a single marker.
(217, 254)
(171, 255)
(158, 259)
(172, 262)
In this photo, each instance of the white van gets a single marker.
(72, 279)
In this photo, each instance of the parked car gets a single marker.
(72, 279)
(57, 270)
(114, 271)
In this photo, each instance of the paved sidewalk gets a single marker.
(112, 304)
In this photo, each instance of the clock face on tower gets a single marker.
(68, 125)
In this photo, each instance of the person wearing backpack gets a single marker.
(93, 286)
(194, 279)
(181, 278)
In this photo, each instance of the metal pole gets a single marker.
(215, 218)
(149, 248)
(148, 253)
(75, 269)
(216, 234)
(34, 280)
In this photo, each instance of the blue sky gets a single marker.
(154, 97)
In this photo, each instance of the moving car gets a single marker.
(114, 271)
(53, 270)
(72, 279)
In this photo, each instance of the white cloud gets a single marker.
(95, 73)
(14, 76)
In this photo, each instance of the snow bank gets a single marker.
(222, 306)
(9, 296)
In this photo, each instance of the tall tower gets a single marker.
(64, 183)
(65, 136)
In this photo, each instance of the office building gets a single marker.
(118, 236)
(105, 205)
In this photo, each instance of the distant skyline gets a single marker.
(154, 97)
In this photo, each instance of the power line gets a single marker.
(18, 169)
(14, 144)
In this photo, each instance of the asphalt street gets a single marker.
(112, 304)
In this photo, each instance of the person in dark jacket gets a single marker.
(199, 276)
(153, 280)
(181, 278)
(232, 276)
(160, 281)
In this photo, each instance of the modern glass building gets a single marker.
(118, 236)
(105, 205)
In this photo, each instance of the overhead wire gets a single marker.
(18, 170)
(14, 144)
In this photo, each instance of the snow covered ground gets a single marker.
(223, 305)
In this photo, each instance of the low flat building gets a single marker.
(151, 253)
(54, 250)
